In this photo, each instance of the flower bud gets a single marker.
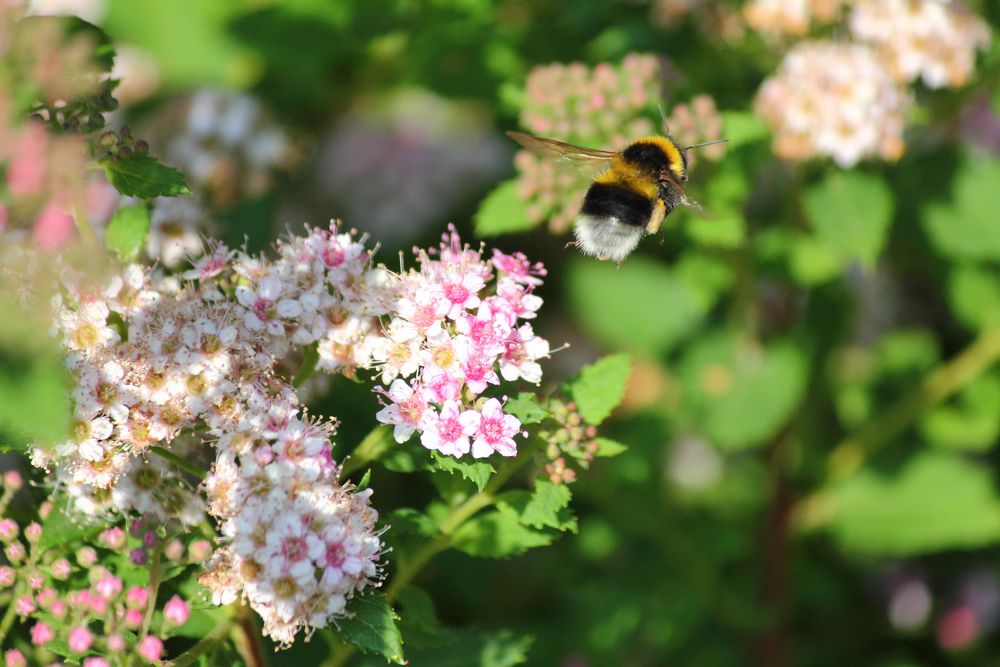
(12, 480)
(176, 611)
(80, 639)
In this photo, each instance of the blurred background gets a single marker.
(814, 407)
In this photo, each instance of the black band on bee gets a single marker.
(646, 156)
(613, 201)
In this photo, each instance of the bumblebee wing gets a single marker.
(558, 149)
(684, 197)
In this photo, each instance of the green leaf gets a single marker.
(608, 448)
(850, 211)
(974, 294)
(725, 195)
(474, 648)
(966, 227)
(477, 472)
(375, 445)
(63, 528)
(497, 534)
(502, 212)
(970, 421)
(372, 627)
(126, 232)
(142, 176)
(643, 306)
(741, 128)
(935, 502)
(548, 507)
(600, 387)
(35, 398)
(525, 406)
(410, 521)
(739, 392)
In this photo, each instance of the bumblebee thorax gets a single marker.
(653, 154)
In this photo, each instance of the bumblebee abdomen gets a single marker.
(614, 201)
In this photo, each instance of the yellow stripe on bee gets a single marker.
(625, 175)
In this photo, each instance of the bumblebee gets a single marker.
(632, 191)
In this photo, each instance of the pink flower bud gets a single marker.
(36, 580)
(7, 576)
(133, 619)
(80, 639)
(41, 633)
(25, 605)
(8, 530)
(137, 597)
(98, 605)
(174, 550)
(176, 611)
(15, 552)
(109, 587)
(46, 597)
(116, 642)
(86, 556)
(59, 609)
(61, 569)
(33, 532)
(96, 662)
(53, 228)
(112, 538)
(44, 509)
(199, 551)
(151, 648)
(14, 658)
(12, 480)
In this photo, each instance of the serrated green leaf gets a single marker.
(607, 447)
(645, 305)
(966, 227)
(738, 392)
(477, 472)
(547, 507)
(372, 627)
(502, 212)
(409, 520)
(935, 502)
(600, 387)
(144, 177)
(850, 211)
(526, 407)
(497, 534)
(127, 231)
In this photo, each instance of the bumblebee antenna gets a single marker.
(663, 117)
(707, 143)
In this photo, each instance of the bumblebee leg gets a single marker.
(656, 219)
(661, 237)
(572, 244)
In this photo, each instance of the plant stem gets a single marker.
(181, 463)
(457, 516)
(154, 588)
(246, 635)
(939, 384)
(204, 645)
(8, 616)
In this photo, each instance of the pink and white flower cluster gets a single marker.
(449, 339)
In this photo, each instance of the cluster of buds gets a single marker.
(572, 439)
(790, 17)
(602, 107)
(61, 600)
(120, 145)
(697, 122)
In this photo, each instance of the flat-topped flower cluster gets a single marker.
(186, 366)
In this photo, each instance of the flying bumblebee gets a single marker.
(632, 192)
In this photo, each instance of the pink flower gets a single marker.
(449, 431)
(12, 479)
(25, 605)
(439, 386)
(109, 587)
(523, 347)
(112, 538)
(96, 662)
(14, 658)
(53, 228)
(46, 597)
(7, 576)
(151, 648)
(41, 633)
(137, 597)
(8, 530)
(477, 366)
(80, 639)
(405, 411)
(421, 313)
(133, 619)
(116, 642)
(61, 568)
(176, 611)
(518, 268)
(495, 431)
(461, 291)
